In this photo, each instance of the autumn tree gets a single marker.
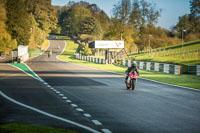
(121, 12)
(43, 19)
(89, 26)
(71, 18)
(18, 21)
(190, 22)
(6, 42)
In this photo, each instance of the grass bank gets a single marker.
(40, 51)
(186, 80)
(26, 128)
(189, 55)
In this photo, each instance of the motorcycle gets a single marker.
(131, 81)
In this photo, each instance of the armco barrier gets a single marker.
(90, 59)
(148, 66)
(198, 70)
(156, 67)
(166, 68)
(153, 66)
(194, 69)
(141, 65)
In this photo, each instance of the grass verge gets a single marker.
(26, 128)
(186, 80)
(44, 47)
(173, 54)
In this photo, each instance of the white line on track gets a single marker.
(96, 122)
(139, 77)
(69, 101)
(106, 131)
(87, 115)
(24, 72)
(61, 95)
(79, 109)
(64, 98)
(74, 105)
(57, 92)
(49, 115)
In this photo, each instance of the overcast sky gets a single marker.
(171, 9)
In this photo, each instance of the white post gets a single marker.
(166, 68)
(148, 66)
(141, 66)
(198, 70)
(156, 67)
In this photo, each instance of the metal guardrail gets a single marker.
(194, 69)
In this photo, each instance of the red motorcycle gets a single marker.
(131, 81)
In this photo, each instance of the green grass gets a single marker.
(186, 80)
(174, 54)
(40, 51)
(27, 128)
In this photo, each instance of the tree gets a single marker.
(144, 13)
(121, 12)
(18, 21)
(6, 42)
(183, 24)
(89, 26)
(195, 16)
(101, 18)
(43, 13)
(190, 22)
(71, 18)
(85, 50)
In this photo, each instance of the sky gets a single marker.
(171, 9)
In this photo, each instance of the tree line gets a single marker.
(132, 21)
(25, 22)
(28, 22)
(189, 24)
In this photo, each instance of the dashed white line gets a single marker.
(69, 101)
(74, 105)
(96, 122)
(87, 115)
(80, 110)
(58, 92)
(106, 131)
(49, 115)
(64, 98)
(61, 95)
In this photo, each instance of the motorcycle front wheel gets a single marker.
(133, 84)
(127, 86)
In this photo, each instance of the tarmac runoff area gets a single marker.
(24, 68)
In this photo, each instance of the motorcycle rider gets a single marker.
(132, 68)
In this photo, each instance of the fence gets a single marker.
(194, 69)
(150, 66)
(90, 59)
(154, 66)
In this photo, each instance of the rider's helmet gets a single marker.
(133, 65)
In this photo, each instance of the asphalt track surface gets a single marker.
(152, 107)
